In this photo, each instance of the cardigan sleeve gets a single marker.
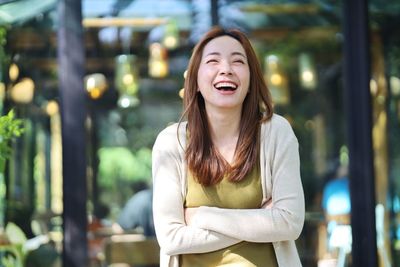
(283, 220)
(173, 235)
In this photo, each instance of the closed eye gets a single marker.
(211, 61)
(238, 61)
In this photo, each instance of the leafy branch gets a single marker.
(10, 128)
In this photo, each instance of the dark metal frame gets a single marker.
(71, 59)
(359, 122)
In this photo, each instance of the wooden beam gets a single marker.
(122, 22)
(282, 9)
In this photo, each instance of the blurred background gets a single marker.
(63, 188)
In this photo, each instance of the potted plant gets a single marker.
(12, 251)
(10, 128)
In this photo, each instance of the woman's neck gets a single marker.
(224, 130)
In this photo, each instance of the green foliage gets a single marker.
(3, 33)
(3, 41)
(119, 163)
(10, 128)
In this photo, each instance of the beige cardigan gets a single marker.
(216, 228)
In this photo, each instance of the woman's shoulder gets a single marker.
(171, 135)
(173, 128)
(277, 122)
(277, 126)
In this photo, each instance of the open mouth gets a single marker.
(225, 86)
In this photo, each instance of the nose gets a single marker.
(225, 68)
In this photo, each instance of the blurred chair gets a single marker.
(132, 249)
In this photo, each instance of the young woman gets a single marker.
(227, 187)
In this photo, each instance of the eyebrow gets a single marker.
(232, 54)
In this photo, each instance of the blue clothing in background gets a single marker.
(336, 197)
(138, 212)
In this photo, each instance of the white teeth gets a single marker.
(226, 84)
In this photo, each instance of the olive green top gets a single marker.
(246, 194)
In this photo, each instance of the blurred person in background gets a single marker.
(137, 214)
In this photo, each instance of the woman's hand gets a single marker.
(267, 204)
(189, 213)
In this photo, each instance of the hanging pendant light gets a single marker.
(276, 80)
(158, 61)
(307, 73)
(127, 80)
(95, 85)
(171, 35)
(23, 91)
(13, 72)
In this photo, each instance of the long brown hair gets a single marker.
(203, 159)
